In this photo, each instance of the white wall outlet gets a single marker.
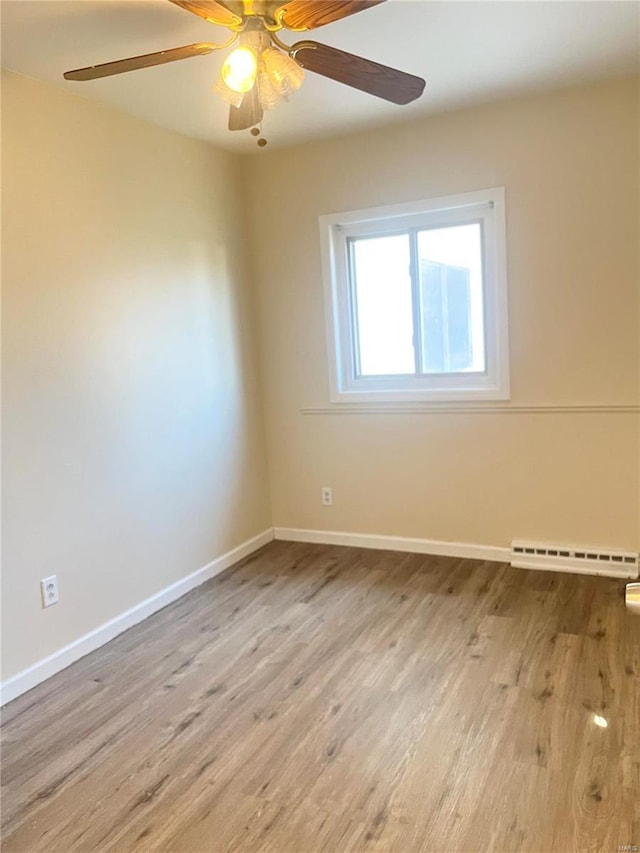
(49, 591)
(327, 496)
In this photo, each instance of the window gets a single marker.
(416, 299)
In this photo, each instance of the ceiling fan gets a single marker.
(263, 69)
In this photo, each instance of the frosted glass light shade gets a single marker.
(269, 95)
(285, 73)
(231, 97)
(240, 69)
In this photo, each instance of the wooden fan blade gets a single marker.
(248, 114)
(211, 11)
(380, 80)
(135, 62)
(309, 14)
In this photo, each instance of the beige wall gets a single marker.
(132, 436)
(133, 449)
(569, 162)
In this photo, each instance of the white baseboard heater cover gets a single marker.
(570, 558)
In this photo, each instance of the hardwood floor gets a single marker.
(326, 698)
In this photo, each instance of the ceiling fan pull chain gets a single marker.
(256, 131)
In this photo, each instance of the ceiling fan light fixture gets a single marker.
(240, 69)
(285, 73)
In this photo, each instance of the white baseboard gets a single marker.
(45, 668)
(396, 543)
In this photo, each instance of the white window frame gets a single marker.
(484, 206)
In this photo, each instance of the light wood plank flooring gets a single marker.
(337, 699)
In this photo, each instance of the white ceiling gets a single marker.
(467, 51)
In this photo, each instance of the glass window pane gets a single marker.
(383, 302)
(451, 300)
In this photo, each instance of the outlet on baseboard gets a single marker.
(327, 496)
(49, 591)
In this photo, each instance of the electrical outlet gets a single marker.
(327, 496)
(49, 591)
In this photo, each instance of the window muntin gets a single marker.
(416, 301)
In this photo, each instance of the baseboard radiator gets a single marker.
(564, 558)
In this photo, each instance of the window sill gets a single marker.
(468, 408)
(422, 396)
